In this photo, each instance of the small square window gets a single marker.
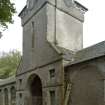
(52, 73)
(20, 95)
(20, 81)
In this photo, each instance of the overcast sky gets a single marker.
(94, 31)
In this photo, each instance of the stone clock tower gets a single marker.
(49, 27)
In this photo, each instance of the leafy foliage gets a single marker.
(6, 12)
(8, 64)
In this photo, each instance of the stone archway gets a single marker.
(35, 89)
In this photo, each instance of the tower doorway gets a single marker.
(35, 87)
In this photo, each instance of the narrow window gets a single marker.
(20, 95)
(1, 97)
(6, 96)
(104, 90)
(13, 96)
(52, 73)
(52, 97)
(33, 26)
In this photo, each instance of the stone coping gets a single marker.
(7, 80)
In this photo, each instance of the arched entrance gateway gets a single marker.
(35, 89)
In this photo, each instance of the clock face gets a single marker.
(31, 3)
(68, 3)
